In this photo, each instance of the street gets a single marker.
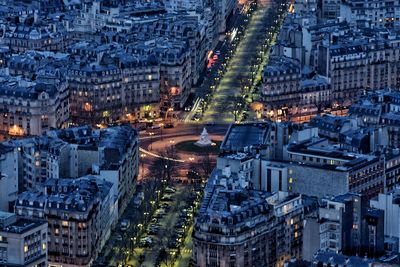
(240, 67)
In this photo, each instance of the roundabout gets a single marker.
(190, 147)
(186, 154)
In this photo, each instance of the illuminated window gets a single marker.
(26, 248)
(296, 234)
(44, 246)
(150, 77)
(56, 231)
(290, 171)
(291, 221)
(64, 223)
(290, 180)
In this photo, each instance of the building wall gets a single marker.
(313, 181)
(27, 249)
(33, 116)
(274, 177)
(9, 175)
(391, 213)
(311, 241)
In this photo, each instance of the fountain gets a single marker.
(204, 139)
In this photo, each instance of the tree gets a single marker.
(168, 157)
(165, 167)
(236, 105)
(206, 164)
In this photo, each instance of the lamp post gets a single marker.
(151, 140)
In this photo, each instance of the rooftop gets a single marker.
(67, 194)
(21, 226)
(342, 260)
(244, 135)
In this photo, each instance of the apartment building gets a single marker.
(23, 242)
(79, 212)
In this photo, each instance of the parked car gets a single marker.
(118, 237)
(146, 242)
(167, 198)
(168, 125)
(125, 224)
(170, 190)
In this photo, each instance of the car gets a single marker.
(153, 230)
(167, 208)
(158, 216)
(144, 244)
(180, 231)
(179, 225)
(157, 126)
(172, 244)
(168, 126)
(167, 198)
(146, 241)
(160, 211)
(170, 190)
(125, 224)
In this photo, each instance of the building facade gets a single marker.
(23, 242)
(80, 214)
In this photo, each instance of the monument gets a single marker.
(204, 139)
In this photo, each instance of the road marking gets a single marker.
(158, 156)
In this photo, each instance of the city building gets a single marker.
(265, 138)
(379, 108)
(239, 226)
(290, 93)
(390, 205)
(23, 242)
(332, 126)
(281, 84)
(371, 14)
(315, 165)
(9, 177)
(107, 88)
(323, 258)
(233, 226)
(33, 107)
(365, 63)
(80, 213)
(23, 37)
(110, 154)
(347, 226)
(175, 69)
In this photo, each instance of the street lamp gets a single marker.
(151, 140)
(142, 156)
